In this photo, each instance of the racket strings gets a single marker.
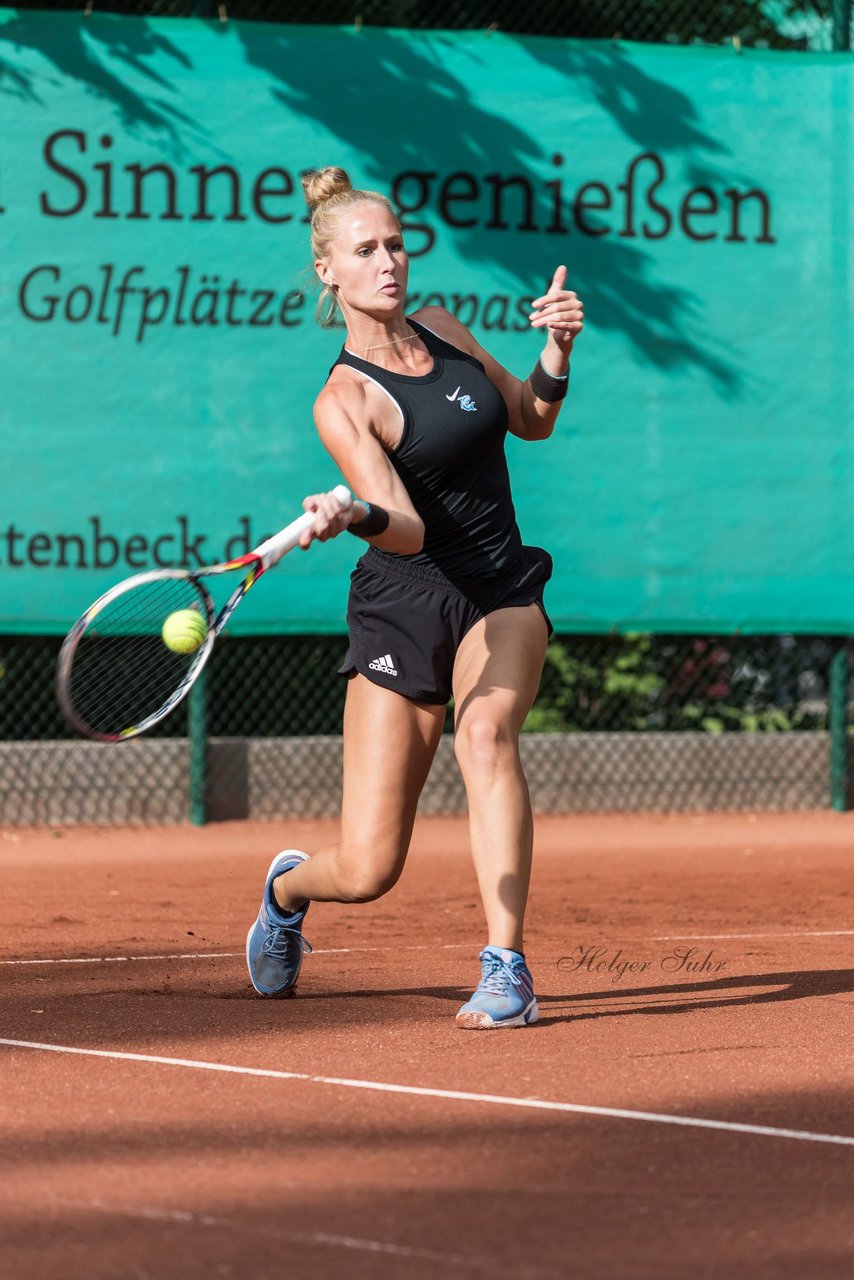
(122, 672)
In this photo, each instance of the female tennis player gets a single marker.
(445, 601)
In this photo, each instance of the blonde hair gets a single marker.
(329, 194)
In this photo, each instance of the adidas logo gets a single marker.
(384, 664)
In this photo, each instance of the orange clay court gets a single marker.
(683, 1109)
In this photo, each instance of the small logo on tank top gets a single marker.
(465, 402)
(384, 664)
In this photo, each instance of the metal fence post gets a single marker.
(841, 26)
(838, 718)
(198, 745)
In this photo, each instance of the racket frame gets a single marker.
(256, 562)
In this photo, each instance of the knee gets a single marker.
(364, 880)
(485, 743)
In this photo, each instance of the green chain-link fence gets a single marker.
(766, 24)
(637, 721)
(285, 686)
(621, 721)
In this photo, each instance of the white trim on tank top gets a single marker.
(435, 334)
(376, 384)
(380, 385)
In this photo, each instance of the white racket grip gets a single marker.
(271, 551)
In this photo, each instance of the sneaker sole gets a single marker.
(479, 1021)
(285, 991)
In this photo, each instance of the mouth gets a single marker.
(391, 287)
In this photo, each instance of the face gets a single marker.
(367, 262)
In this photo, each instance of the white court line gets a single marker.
(451, 1095)
(230, 955)
(188, 1217)
(720, 937)
(188, 955)
(443, 946)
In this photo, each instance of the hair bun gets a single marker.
(323, 184)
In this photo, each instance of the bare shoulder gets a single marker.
(342, 403)
(442, 322)
(351, 407)
(344, 392)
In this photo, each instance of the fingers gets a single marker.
(558, 280)
(556, 287)
(330, 518)
(560, 310)
(563, 313)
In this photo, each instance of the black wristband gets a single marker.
(373, 524)
(546, 386)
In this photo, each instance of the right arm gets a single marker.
(346, 428)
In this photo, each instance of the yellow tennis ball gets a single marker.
(184, 631)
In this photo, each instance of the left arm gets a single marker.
(561, 313)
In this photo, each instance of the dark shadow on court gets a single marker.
(117, 1004)
(230, 1176)
(691, 997)
(111, 1004)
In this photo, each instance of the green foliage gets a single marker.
(712, 685)
(775, 24)
(269, 686)
(590, 687)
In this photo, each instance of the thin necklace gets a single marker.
(378, 345)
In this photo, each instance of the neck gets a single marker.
(388, 338)
(365, 330)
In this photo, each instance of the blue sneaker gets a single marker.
(505, 994)
(274, 944)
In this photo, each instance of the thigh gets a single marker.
(498, 666)
(389, 745)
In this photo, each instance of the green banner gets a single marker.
(160, 358)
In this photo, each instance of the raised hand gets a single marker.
(560, 312)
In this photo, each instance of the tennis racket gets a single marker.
(116, 676)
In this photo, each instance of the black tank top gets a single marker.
(451, 460)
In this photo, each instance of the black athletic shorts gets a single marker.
(406, 620)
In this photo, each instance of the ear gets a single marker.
(324, 272)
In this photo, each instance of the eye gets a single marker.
(365, 251)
